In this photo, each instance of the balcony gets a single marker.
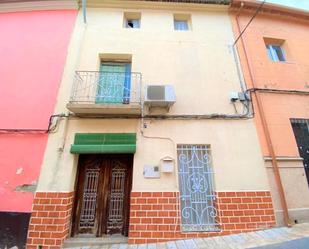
(106, 93)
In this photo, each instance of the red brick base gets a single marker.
(50, 220)
(154, 216)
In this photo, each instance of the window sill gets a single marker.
(284, 62)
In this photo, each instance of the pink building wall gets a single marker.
(33, 50)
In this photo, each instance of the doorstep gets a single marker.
(89, 240)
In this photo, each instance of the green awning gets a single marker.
(102, 143)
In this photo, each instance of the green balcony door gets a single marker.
(114, 83)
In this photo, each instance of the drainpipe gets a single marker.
(260, 110)
(84, 4)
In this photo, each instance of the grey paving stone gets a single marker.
(190, 244)
(220, 243)
(171, 245)
(238, 239)
(142, 246)
(249, 240)
(152, 246)
(256, 236)
(275, 235)
(161, 246)
(181, 244)
(211, 244)
(132, 246)
(200, 243)
(230, 242)
(114, 246)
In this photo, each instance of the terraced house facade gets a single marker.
(157, 141)
(165, 120)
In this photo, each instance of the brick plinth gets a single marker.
(155, 216)
(50, 220)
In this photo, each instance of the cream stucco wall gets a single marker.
(199, 63)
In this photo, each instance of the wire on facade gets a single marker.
(50, 127)
(252, 18)
(283, 91)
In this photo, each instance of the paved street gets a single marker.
(296, 237)
(302, 243)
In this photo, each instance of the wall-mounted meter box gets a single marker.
(167, 164)
(151, 171)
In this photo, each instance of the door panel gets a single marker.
(115, 217)
(85, 215)
(90, 196)
(301, 133)
(103, 195)
(114, 83)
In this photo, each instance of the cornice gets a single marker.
(157, 5)
(269, 8)
(18, 6)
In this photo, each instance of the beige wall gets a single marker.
(236, 158)
(199, 63)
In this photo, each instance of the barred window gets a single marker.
(197, 196)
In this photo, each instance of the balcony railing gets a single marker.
(106, 88)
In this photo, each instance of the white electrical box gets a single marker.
(234, 96)
(151, 171)
(167, 165)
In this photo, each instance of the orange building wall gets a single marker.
(279, 108)
(290, 75)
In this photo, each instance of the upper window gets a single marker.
(275, 53)
(132, 20)
(181, 22)
(275, 49)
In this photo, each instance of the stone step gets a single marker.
(86, 241)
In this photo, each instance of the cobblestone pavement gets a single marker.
(295, 237)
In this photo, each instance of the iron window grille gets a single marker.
(197, 196)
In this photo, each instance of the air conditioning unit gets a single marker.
(159, 96)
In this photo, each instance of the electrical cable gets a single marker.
(283, 91)
(34, 131)
(255, 14)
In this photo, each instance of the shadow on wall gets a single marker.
(13, 229)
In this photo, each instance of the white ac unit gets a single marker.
(159, 96)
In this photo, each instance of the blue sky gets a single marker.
(300, 4)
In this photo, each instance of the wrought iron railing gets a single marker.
(98, 87)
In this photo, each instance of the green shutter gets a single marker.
(102, 143)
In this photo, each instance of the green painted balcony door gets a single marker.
(114, 83)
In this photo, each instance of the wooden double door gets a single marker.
(102, 201)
